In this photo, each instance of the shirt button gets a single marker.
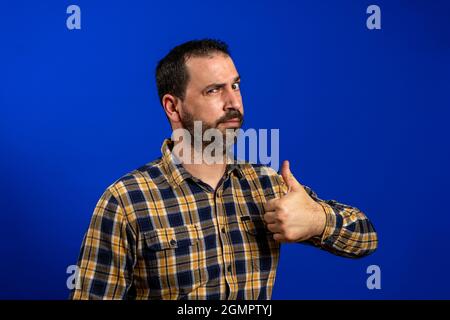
(229, 268)
(223, 230)
(173, 242)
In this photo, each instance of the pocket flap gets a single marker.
(255, 226)
(171, 238)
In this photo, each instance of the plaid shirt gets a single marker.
(160, 233)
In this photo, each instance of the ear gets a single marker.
(171, 105)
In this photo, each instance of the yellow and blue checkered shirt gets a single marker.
(160, 233)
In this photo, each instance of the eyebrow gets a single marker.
(221, 85)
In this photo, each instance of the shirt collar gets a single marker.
(176, 173)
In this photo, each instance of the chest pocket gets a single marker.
(172, 238)
(176, 257)
(255, 226)
(260, 244)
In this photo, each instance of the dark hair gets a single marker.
(171, 73)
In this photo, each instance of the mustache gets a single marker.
(231, 115)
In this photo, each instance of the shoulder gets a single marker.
(259, 170)
(147, 176)
(267, 177)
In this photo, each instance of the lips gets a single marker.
(233, 120)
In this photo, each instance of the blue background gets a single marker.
(362, 116)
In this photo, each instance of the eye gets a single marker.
(213, 90)
(236, 86)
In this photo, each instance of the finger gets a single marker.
(271, 205)
(270, 217)
(274, 227)
(278, 237)
(288, 177)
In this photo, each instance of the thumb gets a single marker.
(288, 177)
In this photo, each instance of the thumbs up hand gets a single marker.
(295, 216)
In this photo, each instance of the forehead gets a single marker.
(215, 68)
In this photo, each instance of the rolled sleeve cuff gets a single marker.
(332, 229)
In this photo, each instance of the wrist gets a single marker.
(320, 219)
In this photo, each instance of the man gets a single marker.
(180, 229)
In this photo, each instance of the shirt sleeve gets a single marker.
(348, 232)
(105, 263)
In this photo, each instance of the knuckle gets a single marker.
(282, 215)
(282, 207)
(290, 236)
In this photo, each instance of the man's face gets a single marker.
(212, 94)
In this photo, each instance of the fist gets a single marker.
(295, 216)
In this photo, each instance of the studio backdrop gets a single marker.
(359, 91)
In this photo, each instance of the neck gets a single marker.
(209, 172)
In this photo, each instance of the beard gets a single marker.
(228, 136)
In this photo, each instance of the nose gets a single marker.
(233, 100)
